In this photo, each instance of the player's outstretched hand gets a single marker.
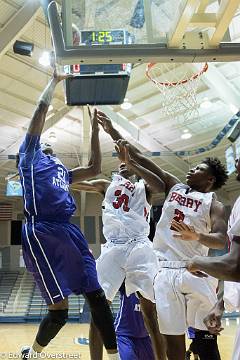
(120, 149)
(185, 232)
(60, 76)
(93, 117)
(104, 121)
(213, 320)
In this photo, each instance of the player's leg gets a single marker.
(236, 347)
(95, 342)
(127, 348)
(110, 280)
(103, 321)
(205, 345)
(201, 296)
(176, 347)
(151, 322)
(143, 348)
(49, 327)
(141, 268)
(41, 260)
(171, 311)
(110, 277)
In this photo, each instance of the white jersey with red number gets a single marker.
(192, 207)
(125, 211)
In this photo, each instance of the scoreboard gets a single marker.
(98, 84)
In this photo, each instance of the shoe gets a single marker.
(25, 351)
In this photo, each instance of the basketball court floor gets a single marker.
(14, 336)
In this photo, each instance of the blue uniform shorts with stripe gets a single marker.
(57, 255)
(131, 348)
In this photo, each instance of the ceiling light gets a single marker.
(186, 135)
(185, 130)
(233, 108)
(45, 59)
(52, 138)
(206, 103)
(126, 104)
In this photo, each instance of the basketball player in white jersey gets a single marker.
(182, 299)
(226, 267)
(128, 252)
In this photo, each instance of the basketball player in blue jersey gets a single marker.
(134, 342)
(54, 250)
(183, 300)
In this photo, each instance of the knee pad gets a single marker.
(205, 345)
(51, 325)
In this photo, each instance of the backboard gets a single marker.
(148, 31)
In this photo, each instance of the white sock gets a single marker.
(114, 356)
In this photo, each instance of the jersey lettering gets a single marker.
(60, 180)
(185, 201)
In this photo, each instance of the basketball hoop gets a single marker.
(178, 86)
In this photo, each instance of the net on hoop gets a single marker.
(178, 85)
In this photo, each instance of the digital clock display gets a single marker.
(103, 37)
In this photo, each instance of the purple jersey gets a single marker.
(129, 320)
(45, 182)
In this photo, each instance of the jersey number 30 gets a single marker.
(122, 200)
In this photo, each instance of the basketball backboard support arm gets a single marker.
(132, 53)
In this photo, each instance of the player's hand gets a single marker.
(120, 149)
(104, 121)
(93, 117)
(193, 269)
(60, 76)
(213, 320)
(185, 232)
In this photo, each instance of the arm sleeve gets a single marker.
(28, 150)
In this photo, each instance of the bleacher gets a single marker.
(7, 282)
(21, 301)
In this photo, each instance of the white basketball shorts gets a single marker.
(135, 262)
(182, 299)
(236, 348)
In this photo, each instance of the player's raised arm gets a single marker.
(154, 183)
(135, 153)
(94, 165)
(37, 123)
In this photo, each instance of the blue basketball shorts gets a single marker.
(131, 348)
(57, 255)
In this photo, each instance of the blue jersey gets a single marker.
(129, 320)
(45, 182)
